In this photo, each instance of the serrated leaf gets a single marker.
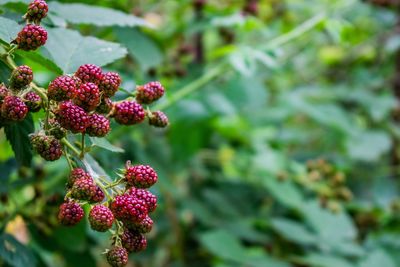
(8, 29)
(293, 231)
(104, 143)
(18, 136)
(100, 16)
(141, 47)
(14, 253)
(69, 49)
(38, 58)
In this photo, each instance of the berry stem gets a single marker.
(68, 160)
(82, 154)
(70, 146)
(118, 182)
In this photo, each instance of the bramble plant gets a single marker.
(80, 104)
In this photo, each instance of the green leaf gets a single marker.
(99, 16)
(18, 136)
(323, 260)
(104, 143)
(293, 231)
(72, 238)
(377, 258)
(141, 47)
(14, 253)
(368, 146)
(284, 191)
(69, 49)
(39, 59)
(8, 29)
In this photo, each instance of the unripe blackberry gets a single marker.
(143, 227)
(13, 108)
(63, 88)
(140, 176)
(48, 147)
(37, 10)
(128, 113)
(105, 106)
(117, 257)
(70, 213)
(98, 197)
(72, 117)
(76, 174)
(110, 83)
(3, 93)
(88, 96)
(128, 208)
(89, 73)
(158, 119)
(146, 196)
(99, 126)
(21, 77)
(150, 92)
(133, 241)
(31, 37)
(101, 218)
(33, 101)
(56, 130)
(84, 189)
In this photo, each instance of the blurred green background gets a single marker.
(283, 148)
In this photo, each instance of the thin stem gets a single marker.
(46, 123)
(82, 155)
(70, 146)
(68, 160)
(115, 183)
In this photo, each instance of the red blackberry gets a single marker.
(48, 147)
(117, 257)
(72, 117)
(70, 213)
(62, 88)
(3, 93)
(128, 208)
(13, 108)
(101, 218)
(150, 92)
(33, 101)
(76, 174)
(105, 106)
(31, 37)
(84, 189)
(146, 196)
(56, 130)
(143, 227)
(37, 10)
(21, 77)
(88, 96)
(129, 113)
(98, 197)
(99, 126)
(158, 119)
(110, 83)
(140, 176)
(89, 73)
(133, 241)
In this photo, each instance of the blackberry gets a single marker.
(56, 130)
(105, 106)
(88, 96)
(101, 218)
(31, 37)
(89, 73)
(143, 227)
(128, 113)
(3, 93)
(21, 77)
(33, 101)
(76, 174)
(48, 147)
(140, 176)
(72, 117)
(150, 92)
(37, 10)
(146, 196)
(84, 189)
(62, 88)
(70, 213)
(110, 83)
(99, 126)
(128, 208)
(117, 257)
(158, 119)
(98, 197)
(133, 241)
(13, 108)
